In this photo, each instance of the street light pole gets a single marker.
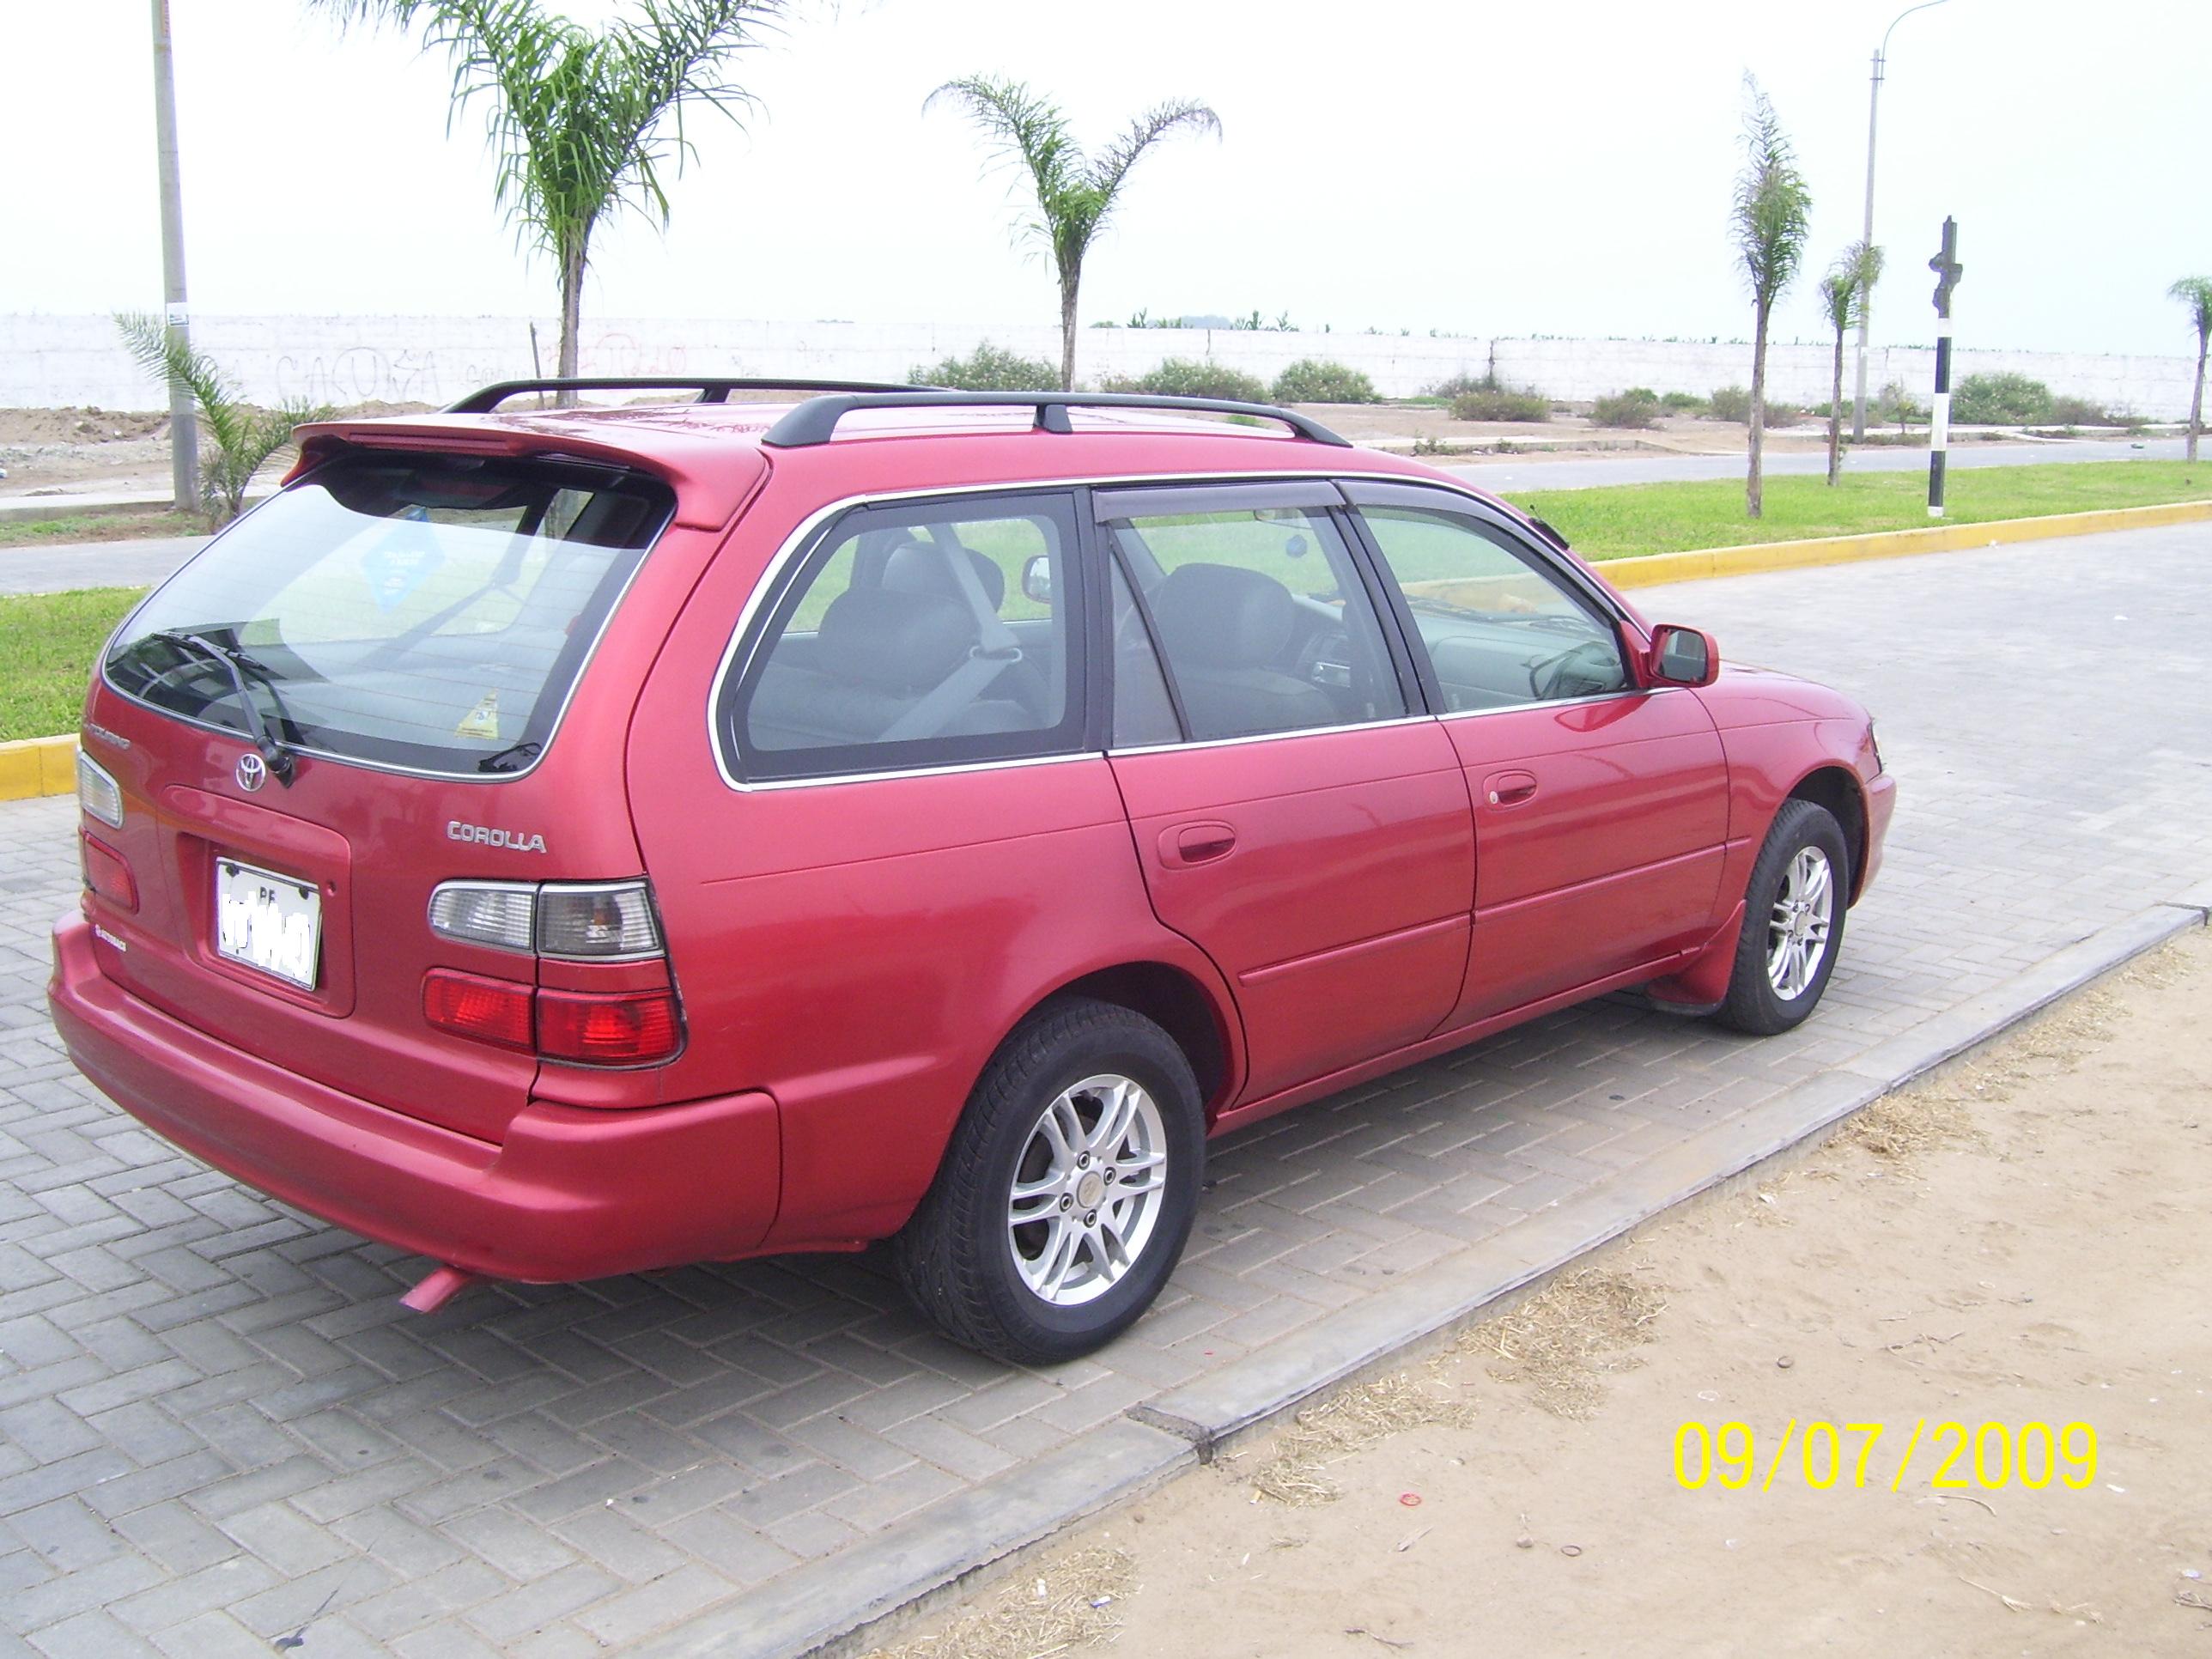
(184, 429)
(1866, 307)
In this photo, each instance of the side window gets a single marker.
(908, 638)
(1499, 629)
(1143, 712)
(1262, 617)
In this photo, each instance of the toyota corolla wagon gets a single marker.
(574, 840)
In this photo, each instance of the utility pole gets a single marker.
(184, 428)
(1866, 310)
(1948, 270)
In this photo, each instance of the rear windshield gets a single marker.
(413, 610)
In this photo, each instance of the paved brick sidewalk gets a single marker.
(217, 1425)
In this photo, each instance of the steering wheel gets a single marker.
(1546, 676)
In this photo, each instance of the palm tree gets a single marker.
(582, 120)
(1773, 204)
(2196, 292)
(1075, 194)
(238, 437)
(1845, 292)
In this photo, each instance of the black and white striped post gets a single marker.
(1947, 267)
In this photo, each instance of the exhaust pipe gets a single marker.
(438, 1286)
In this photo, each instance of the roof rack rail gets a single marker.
(711, 389)
(815, 420)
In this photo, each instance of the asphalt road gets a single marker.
(140, 563)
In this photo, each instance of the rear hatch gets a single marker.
(347, 698)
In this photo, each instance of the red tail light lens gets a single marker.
(108, 875)
(604, 1028)
(494, 1011)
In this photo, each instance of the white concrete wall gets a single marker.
(59, 362)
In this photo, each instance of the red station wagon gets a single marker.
(581, 841)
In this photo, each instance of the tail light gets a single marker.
(623, 1028)
(494, 1011)
(579, 923)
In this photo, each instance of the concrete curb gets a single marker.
(1656, 567)
(38, 766)
(838, 1605)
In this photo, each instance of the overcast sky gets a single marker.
(1512, 169)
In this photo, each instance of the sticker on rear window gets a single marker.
(401, 562)
(483, 720)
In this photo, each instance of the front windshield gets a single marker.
(414, 610)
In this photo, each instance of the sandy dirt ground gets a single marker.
(58, 453)
(2024, 1240)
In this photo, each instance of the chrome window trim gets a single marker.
(1560, 702)
(560, 715)
(772, 575)
(1276, 736)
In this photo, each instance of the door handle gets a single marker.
(1197, 843)
(1508, 788)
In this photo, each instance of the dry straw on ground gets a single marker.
(1297, 1469)
(1562, 1344)
(1069, 1604)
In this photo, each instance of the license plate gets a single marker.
(270, 922)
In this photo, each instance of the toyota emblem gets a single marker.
(252, 771)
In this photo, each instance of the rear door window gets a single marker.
(415, 612)
(914, 635)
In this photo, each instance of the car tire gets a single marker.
(1087, 1119)
(1793, 922)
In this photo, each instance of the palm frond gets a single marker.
(1847, 288)
(2196, 294)
(1773, 203)
(1147, 130)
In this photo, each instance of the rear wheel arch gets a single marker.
(1837, 790)
(1176, 1002)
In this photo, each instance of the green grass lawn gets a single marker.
(99, 528)
(1621, 520)
(47, 642)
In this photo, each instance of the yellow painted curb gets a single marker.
(38, 766)
(1655, 568)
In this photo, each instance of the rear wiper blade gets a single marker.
(515, 755)
(236, 663)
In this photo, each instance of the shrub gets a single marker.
(1498, 403)
(1638, 406)
(1310, 381)
(1459, 384)
(1895, 403)
(1730, 402)
(1687, 403)
(2079, 411)
(1190, 377)
(989, 369)
(2000, 400)
(1784, 414)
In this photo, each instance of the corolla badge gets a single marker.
(519, 841)
(252, 771)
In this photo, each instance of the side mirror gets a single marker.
(1683, 656)
(1037, 579)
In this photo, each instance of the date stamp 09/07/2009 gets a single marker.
(1959, 1456)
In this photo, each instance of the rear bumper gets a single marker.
(568, 1194)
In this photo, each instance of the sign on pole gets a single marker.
(1947, 267)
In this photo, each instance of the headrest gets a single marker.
(895, 641)
(1221, 616)
(921, 567)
